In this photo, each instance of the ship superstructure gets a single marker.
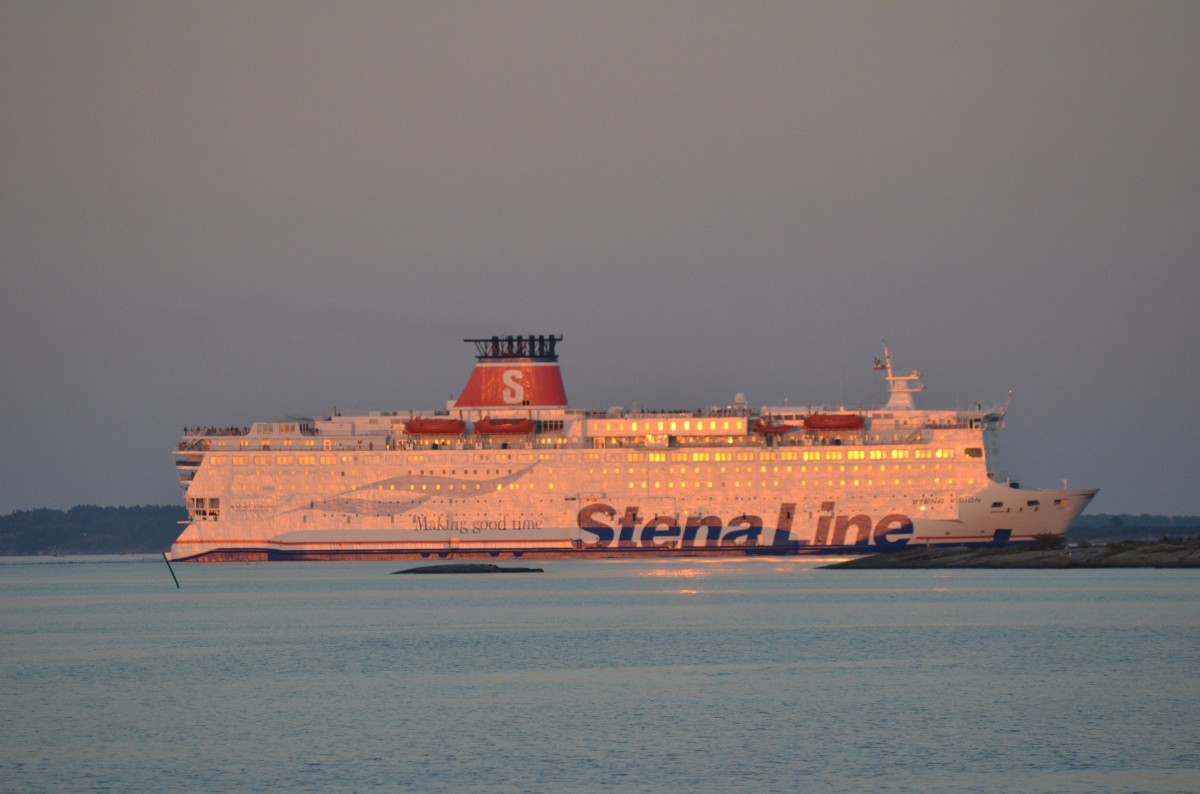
(509, 469)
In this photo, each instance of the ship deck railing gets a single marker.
(799, 437)
(704, 413)
(208, 432)
(599, 443)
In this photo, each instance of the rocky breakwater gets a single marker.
(1167, 553)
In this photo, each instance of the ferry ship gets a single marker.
(510, 470)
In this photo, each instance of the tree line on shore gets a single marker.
(88, 529)
(150, 529)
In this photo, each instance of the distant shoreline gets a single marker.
(1125, 554)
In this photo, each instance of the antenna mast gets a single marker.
(901, 388)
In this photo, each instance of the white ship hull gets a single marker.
(553, 481)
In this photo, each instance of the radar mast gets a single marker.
(901, 388)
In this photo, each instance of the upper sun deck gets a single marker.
(734, 426)
(548, 426)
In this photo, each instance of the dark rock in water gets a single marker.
(1168, 553)
(468, 567)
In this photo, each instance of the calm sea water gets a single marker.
(657, 676)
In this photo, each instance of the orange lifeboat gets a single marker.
(434, 426)
(504, 427)
(834, 422)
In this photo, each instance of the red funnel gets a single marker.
(514, 372)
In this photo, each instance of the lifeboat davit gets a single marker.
(434, 426)
(771, 429)
(834, 422)
(504, 427)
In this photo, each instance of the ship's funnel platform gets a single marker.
(515, 372)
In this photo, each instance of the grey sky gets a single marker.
(218, 212)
